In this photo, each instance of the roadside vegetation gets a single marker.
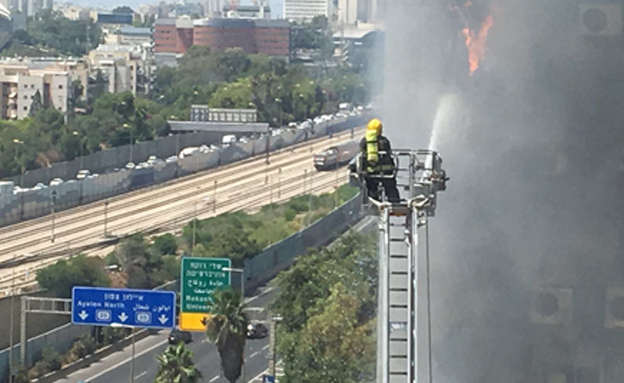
(98, 120)
(322, 289)
(328, 303)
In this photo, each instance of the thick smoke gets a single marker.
(533, 147)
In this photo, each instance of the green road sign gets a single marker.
(200, 277)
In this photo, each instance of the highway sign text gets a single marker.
(200, 277)
(125, 307)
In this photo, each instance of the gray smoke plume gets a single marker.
(533, 145)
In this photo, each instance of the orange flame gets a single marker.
(476, 43)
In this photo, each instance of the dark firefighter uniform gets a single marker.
(377, 161)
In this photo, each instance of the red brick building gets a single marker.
(173, 36)
(269, 37)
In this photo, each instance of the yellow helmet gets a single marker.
(376, 125)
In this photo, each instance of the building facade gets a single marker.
(30, 7)
(302, 11)
(20, 83)
(173, 36)
(125, 67)
(247, 12)
(269, 37)
(348, 11)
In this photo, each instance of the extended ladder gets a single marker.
(403, 313)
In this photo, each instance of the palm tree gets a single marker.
(227, 327)
(175, 365)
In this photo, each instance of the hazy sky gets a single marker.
(276, 5)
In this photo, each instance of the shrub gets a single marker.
(289, 214)
(166, 244)
(84, 346)
(50, 361)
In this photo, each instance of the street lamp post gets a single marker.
(272, 341)
(105, 219)
(75, 133)
(117, 325)
(53, 212)
(242, 273)
(206, 201)
(131, 141)
(279, 101)
(18, 142)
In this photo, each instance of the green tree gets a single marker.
(328, 301)
(166, 244)
(232, 64)
(60, 277)
(176, 365)
(143, 265)
(227, 327)
(98, 88)
(36, 105)
(123, 9)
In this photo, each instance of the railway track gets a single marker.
(243, 185)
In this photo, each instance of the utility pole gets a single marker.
(133, 355)
(105, 219)
(53, 212)
(11, 320)
(272, 341)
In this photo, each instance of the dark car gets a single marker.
(257, 331)
(176, 336)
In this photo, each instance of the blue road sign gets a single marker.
(137, 308)
(268, 379)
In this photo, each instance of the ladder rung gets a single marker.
(398, 306)
(398, 272)
(398, 256)
(397, 373)
(397, 239)
(399, 289)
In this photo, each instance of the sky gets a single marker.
(276, 5)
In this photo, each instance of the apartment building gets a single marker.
(126, 67)
(305, 10)
(173, 36)
(22, 79)
(270, 37)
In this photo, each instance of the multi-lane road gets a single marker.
(117, 367)
(245, 185)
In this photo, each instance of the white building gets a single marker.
(348, 11)
(73, 12)
(19, 84)
(126, 67)
(306, 10)
(32, 7)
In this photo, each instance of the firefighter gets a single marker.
(378, 165)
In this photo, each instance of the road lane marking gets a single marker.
(106, 371)
(259, 295)
(251, 299)
(265, 347)
(140, 375)
(215, 378)
(254, 354)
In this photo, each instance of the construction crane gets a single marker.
(404, 332)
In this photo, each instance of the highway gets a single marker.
(117, 367)
(246, 185)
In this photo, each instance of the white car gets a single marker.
(56, 182)
(171, 159)
(82, 174)
(229, 139)
(39, 186)
(130, 165)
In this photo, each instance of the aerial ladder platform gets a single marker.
(404, 336)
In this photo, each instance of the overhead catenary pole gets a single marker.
(11, 320)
